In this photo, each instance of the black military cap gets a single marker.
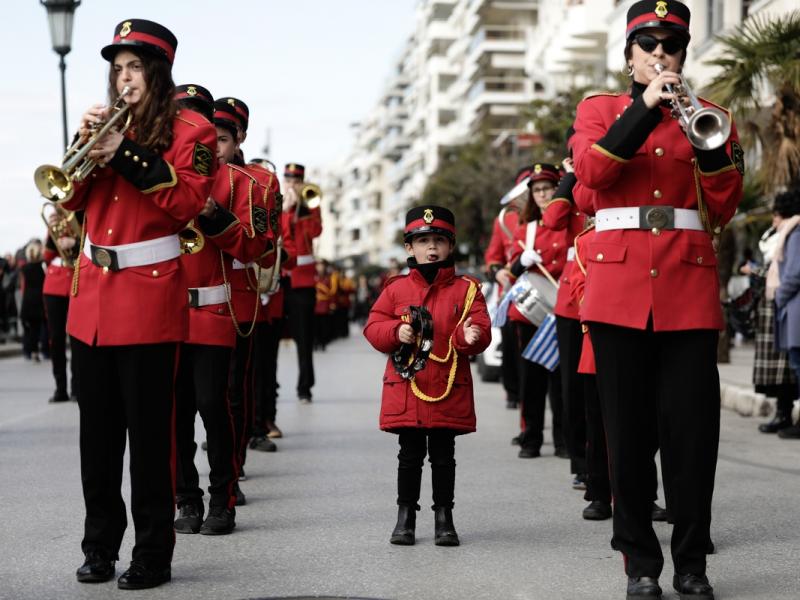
(241, 110)
(294, 170)
(544, 172)
(668, 14)
(197, 98)
(145, 35)
(429, 219)
(226, 116)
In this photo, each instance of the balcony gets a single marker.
(393, 145)
(496, 38)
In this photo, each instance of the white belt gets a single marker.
(305, 259)
(204, 296)
(239, 265)
(138, 253)
(57, 262)
(647, 217)
(571, 254)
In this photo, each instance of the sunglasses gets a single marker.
(670, 45)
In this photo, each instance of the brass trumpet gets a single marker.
(56, 184)
(65, 224)
(706, 127)
(191, 239)
(311, 195)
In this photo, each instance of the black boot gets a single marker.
(403, 534)
(781, 420)
(445, 531)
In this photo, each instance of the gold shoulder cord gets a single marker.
(228, 289)
(76, 268)
(468, 300)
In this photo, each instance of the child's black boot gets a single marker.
(445, 531)
(403, 534)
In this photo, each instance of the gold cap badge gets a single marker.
(537, 169)
(661, 9)
(126, 29)
(427, 216)
(231, 102)
(191, 91)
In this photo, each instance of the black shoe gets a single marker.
(403, 534)
(597, 511)
(444, 530)
(263, 444)
(140, 577)
(241, 499)
(693, 587)
(97, 568)
(304, 399)
(781, 420)
(562, 452)
(643, 587)
(220, 521)
(515, 440)
(658, 514)
(579, 482)
(525, 452)
(58, 397)
(73, 395)
(242, 474)
(790, 433)
(190, 517)
(512, 404)
(711, 548)
(204, 446)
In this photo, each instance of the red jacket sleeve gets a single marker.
(382, 324)
(495, 254)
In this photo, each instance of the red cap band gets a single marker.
(438, 223)
(138, 36)
(670, 18)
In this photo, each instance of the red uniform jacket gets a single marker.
(274, 309)
(304, 229)
(58, 278)
(501, 246)
(141, 196)
(248, 234)
(551, 245)
(445, 299)
(630, 155)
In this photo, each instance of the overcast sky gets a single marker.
(306, 68)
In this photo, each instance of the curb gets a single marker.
(9, 351)
(745, 401)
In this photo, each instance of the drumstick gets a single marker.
(541, 268)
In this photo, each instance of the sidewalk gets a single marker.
(10, 349)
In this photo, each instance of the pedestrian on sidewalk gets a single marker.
(432, 322)
(772, 374)
(32, 308)
(787, 295)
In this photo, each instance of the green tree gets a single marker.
(470, 181)
(763, 55)
(551, 119)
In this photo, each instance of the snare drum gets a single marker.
(534, 297)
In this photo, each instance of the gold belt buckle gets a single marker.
(103, 257)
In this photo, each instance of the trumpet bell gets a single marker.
(53, 183)
(311, 195)
(191, 240)
(708, 128)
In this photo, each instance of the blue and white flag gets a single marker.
(543, 347)
(500, 314)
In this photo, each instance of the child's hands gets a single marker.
(471, 332)
(406, 334)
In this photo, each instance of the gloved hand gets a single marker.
(529, 257)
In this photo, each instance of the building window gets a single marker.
(716, 17)
(356, 204)
(355, 234)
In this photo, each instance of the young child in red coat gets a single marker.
(431, 321)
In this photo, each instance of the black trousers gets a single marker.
(268, 339)
(241, 393)
(323, 330)
(440, 446)
(31, 334)
(598, 485)
(508, 367)
(570, 341)
(202, 386)
(56, 308)
(300, 311)
(128, 389)
(535, 384)
(669, 379)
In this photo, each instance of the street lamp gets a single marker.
(59, 15)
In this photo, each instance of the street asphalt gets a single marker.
(321, 509)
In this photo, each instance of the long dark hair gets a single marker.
(531, 211)
(155, 113)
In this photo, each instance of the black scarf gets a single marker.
(430, 270)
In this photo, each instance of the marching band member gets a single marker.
(129, 311)
(652, 296)
(497, 256)
(305, 224)
(229, 230)
(57, 286)
(548, 248)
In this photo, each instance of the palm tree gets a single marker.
(761, 59)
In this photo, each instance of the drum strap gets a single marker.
(530, 235)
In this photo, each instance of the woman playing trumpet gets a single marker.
(652, 296)
(129, 310)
